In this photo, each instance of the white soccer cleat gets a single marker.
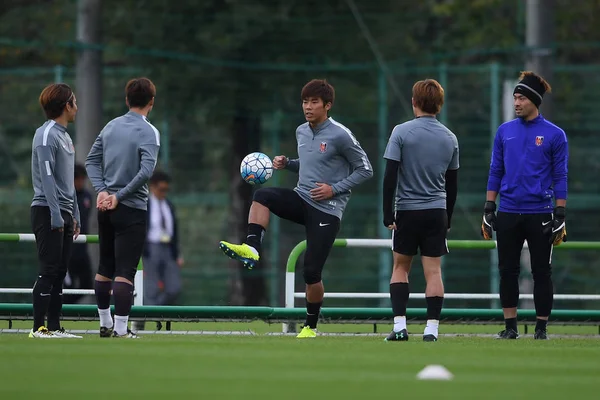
(42, 333)
(61, 333)
(128, 335)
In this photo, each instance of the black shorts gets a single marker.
(122, 234)
(321, 228)
(53, 246)
(421, 229)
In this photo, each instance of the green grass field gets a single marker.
(262, 366)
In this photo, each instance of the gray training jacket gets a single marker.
(52, 172)
(123, 158)
(329, 154)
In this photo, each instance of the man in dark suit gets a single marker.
(162, 260)
(80, 275)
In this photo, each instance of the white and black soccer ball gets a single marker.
(256, 168)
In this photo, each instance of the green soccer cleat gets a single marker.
(307, 332)
(241, 252)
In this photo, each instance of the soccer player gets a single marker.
(54, 211)
(119, 165)
(330, 163)
(528, 168)
(422, 172)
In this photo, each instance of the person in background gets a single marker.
(80, 275)
(162, 260)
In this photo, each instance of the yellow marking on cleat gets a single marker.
(307, 332)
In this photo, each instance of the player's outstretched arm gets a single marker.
(362, 169)
(93, 165)
(46, 161)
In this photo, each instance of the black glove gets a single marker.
(489, 220)
(557, 229)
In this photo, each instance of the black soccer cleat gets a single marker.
(508, 334)
(429, 338)
(106, 332)
(540, 334)
(401, 336)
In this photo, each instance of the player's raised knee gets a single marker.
(312, 275)
(263, 196)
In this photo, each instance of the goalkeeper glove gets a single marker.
(489, 220)
(556, 229)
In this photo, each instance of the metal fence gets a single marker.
(196, 145)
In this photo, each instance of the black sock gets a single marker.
(312, 314)
(55, 305)
(511, 323)
(399, 293)
(434, 307)
(41, 300)
(123, 293)
(102, 289)
(541, 324)
(255, 236)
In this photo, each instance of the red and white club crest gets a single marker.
(323, 147)
(539, 140)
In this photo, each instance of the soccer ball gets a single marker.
(256, 168)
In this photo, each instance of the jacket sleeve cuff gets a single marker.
(560, 195)
(493, 185)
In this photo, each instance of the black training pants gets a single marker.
(512, 230)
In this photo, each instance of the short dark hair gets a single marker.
(54, 99)
(139, 92)
(319, 88)
(159, 176)
(428, 95)
(80, 171)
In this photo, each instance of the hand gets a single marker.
(110, 203)
(57, 223)
(100, 199)
(322, 192)
(180, 262)
(388, 222)
(489, 220)
(280, 162)
(76, 229)
(557, 229)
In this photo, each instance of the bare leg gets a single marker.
(259, 215)
(432, 268)
(315, 292)
(434, 295)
